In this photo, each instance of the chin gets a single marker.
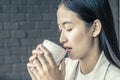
(73, 57)
(76, 57)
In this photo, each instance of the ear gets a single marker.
(97, 26)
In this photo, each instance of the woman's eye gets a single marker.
(69, 29)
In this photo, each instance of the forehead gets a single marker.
(64, 14)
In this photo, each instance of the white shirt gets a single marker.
(80, 76)
(103, 70)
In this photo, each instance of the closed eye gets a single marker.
(69, 29)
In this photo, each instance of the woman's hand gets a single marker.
(41, 66)
(30, 67)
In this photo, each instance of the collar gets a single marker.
(100, 70)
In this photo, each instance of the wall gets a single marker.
(119, 25)
(23, 25)
(115, 10)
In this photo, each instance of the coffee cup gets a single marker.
(57, 52)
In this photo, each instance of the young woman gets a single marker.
(88, 35)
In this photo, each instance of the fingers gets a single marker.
(36, 52)
(40, 57)
(42, 66)
(47, 55)
(32, 58)
(29, 65)
(38, 66)
(41, 63)
(34, 70)
(42, 60)
(36, 73)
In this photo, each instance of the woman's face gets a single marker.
(75, 36)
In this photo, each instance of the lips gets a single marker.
(68, 49)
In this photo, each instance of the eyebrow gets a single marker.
(66, 22)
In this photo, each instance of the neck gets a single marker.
(88, 63)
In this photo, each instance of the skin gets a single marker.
(40, 69)
(83, 41)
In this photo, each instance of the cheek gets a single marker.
(79, 37)
(76, 36)
(80, 40)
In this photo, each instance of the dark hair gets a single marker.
(88, 11)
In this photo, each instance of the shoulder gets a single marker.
(113, 73)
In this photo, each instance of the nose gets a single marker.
(63, 38)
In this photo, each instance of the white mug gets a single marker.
(57, 52)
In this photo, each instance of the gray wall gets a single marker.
(115, 9)
(119, 25)
(23, 25)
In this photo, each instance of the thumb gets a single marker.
(63, 67)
